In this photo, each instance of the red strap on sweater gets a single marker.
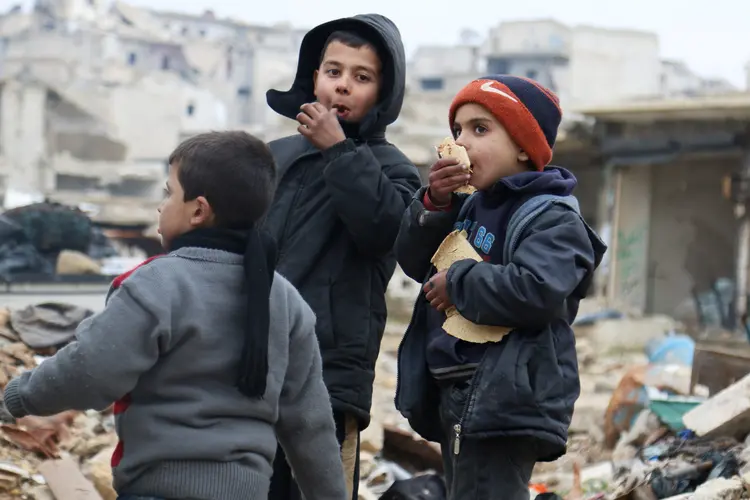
(121, 405)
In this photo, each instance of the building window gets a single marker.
(432, 84)
(532, 74)
(498, 66)
(165, 63)
(243, 91)
(556, 42)
(132, 58)
(190, 109)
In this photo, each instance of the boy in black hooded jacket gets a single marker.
(341, 194)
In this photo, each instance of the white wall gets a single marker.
(612, 65)
(22, 135)
(544, 35)
(151, 114)
(274, 69)
(436, 61)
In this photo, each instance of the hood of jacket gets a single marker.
(552, 180)
(387, 38)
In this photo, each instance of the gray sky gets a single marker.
(713, 37)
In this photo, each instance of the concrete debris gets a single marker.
(725, 414)
(720, 489)
(43, 457)
(634, 451)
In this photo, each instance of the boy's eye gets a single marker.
(166, 192)
(479, 129)
(333, 72)
(363, 78)
(456, 133)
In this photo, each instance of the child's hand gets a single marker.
(320, 125)
(436, 292)
(446, 175)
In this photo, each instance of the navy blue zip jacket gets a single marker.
(527, 384)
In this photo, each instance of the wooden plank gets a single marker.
(717, 365)
(66, 481)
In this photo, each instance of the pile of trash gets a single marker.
(47, 239)
(673, 426)
(67, 456)
(64, 456)
(644, 427)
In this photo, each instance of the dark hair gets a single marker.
(234, 171)
(348, 38)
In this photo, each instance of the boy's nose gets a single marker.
(342, 86)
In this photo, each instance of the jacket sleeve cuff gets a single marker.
(429, 205)
(338, 149)
(12, 399)
(461, 267)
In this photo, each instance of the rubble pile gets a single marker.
(643, 428)
(64, 456)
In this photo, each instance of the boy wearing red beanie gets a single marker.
(502, 406)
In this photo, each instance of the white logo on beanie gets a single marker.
(487, 87)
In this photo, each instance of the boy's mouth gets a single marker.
(341, 110)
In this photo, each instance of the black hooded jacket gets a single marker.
(336, 215)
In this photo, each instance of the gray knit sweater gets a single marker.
(170, 338)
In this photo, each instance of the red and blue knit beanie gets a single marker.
(529, 112)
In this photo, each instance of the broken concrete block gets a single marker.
(726, 414)
(65, 480)
(719, 489)
(99, 471)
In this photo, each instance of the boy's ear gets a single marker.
(315, 83)
(522, 156)
(202, 214)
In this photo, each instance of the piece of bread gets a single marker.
(449, 149)
(456, 247)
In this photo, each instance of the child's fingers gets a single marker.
(449, 184)
(305, 119)
(444, 163)
(449, 176)
(302, 129)
(449, 171)
(312, 110)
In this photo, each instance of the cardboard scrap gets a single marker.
(66, 481)
(456, 247)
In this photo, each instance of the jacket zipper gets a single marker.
(458, 428)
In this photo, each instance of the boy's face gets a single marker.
(349, 80)
(177, 216)
(492, 152)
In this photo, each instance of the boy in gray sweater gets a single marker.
(209, 355)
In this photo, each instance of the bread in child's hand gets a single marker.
(461, 328)
(456, 247)
(449, 149)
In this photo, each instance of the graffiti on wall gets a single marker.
(631, 263)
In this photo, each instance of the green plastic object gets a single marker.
(671, 409)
